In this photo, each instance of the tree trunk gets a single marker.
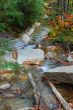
(65, 6)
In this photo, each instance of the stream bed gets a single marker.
(20, 92)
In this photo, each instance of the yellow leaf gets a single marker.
(23, 77)
(72, 28)
(8, 76)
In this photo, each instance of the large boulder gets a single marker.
(54, 52)
(25, 55)
(62, 74)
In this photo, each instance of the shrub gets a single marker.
(62, 28)
(19, 13)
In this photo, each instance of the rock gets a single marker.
(42, 68)
(70, 57)
(71, 52)
(31, 46)
(5, 86)
(25, 37)
(63, 74)
(42, 34)
(37, 24)
(18, 44)
(30, 31)
(71, 105)
(27, 55)
(47, 64)
(55, 52)
(6, 35)
(46, 17)
(50, 54)
(52, 48)
(8, 95)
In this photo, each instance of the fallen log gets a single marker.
(40, 101)
(35, 90)
(59, 97)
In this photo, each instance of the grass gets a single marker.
(5, 46)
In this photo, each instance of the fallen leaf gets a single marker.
(23, 77)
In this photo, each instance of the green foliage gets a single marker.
(19, 13)
(65, 36)
(2, 27)
(4, 46)
(9, 65)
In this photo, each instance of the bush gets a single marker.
(62, 28)
(19, 13)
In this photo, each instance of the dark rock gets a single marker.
(63, 74)
(4, 35)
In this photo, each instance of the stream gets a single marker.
(20, 93)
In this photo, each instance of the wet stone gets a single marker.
(18, 44)
(26, 55)
(5, 86)
(63, 74)
(42, 33)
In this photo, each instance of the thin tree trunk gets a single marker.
(61, 8)
(65, 5)
(68, 6)
(35, 89)
(58, 3)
